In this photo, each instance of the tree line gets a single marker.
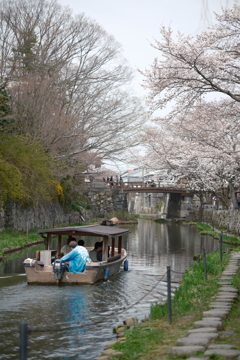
(197, 77)
(65, 97)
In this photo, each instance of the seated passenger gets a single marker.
(77, 258)
(81, 242)
(66, 248)
(96, 253)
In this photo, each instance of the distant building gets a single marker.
(147, 175)
(134, 175)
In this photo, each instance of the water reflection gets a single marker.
(156, 245)
(87, 313)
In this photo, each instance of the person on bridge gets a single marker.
(77, 258)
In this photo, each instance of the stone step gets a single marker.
(193, 340)
(226, 353)
(187, 350)
(222, 313)
(208, 322)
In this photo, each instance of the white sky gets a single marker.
(135, 23)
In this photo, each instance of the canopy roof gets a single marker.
(90, 230)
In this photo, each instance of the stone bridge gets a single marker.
(159, 200)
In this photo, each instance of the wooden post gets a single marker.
(48, 241)
(105, 248)
(119, 244)
(59, 246)
(113, 245)
(169, 294)
(23, 330)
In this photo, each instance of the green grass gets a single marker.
(75, 224)
(11, 238)
(207, 230)
(194, 290)
(16, 254)
(154, 338)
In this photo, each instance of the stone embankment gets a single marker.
(225, 219)
(100, 198)
(107, 353)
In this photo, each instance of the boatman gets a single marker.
(77, 258)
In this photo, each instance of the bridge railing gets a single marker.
(143, 184)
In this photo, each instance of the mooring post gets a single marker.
(220, 245)
(23, 341)
(169, 294)
(204, 262)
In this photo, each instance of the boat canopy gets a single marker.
(105, 232)
(90, 230)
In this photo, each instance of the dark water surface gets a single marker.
(88, 313)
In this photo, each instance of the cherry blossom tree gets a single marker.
(199, 138)
(201, 146)
(190, 67)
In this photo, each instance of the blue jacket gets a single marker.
(77, 258)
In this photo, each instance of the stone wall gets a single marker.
(16, 217)
(226, 219)
(102, 201)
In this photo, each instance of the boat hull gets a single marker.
(38, 273)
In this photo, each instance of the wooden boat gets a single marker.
(42, 271)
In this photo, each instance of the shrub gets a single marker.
(25, 173)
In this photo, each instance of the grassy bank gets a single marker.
(10, 239)
(205, 229)
(153, 339)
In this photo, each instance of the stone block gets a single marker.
(230, 289)
(186, 350)
(203, 330)
(119, 329)
(193, 340)
(222, 313)
(129, 322)
(111, 352)
(208, 323)
(208, 335)
(225, 353)
(184, 213)
(221, 346)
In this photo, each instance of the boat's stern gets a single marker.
(37, 272)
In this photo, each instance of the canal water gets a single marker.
(76, 322)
